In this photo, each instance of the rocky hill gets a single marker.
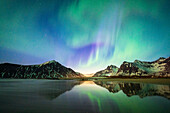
(109, 71)
(50, 69)
(160, 67)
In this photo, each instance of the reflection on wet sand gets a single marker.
(130, 89)
(140, 89)
(51, 90)
(70, 96)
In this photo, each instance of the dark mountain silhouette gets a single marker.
(47, 70)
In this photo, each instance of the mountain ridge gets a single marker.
(54, 70)
(159, 67)
(51, 69)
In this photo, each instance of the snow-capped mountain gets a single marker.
(50, 69)
(109, 71)
(160, 67)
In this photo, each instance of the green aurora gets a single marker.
(86, 35)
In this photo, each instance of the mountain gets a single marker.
(50, 69)
(140, 89)
(158, 68)
(109, 71)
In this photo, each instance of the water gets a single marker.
(68, 96)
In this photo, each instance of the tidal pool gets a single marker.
(69, 96)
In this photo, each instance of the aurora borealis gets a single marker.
(86, 35)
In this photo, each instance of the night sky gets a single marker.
(86, 35)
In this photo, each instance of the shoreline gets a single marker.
(138, 80)
(141, 80)
(106, 79)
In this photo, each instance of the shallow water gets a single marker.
(67, 96)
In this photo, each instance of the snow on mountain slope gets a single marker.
(109, 71)
(159, 67)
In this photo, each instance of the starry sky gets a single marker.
(86, 35)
